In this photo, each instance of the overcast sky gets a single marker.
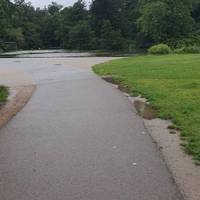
(42, 3)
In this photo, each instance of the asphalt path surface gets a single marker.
(78, 138)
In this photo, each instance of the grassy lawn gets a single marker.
(172, 85)
(3, 94)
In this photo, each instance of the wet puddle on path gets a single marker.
(145, 110)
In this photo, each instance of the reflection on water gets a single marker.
(46, 54)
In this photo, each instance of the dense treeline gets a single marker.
(107, 24)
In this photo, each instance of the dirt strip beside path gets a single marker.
(18, 97)
(21, 88)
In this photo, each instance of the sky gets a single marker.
(42, 3)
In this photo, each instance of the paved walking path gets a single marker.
(78, 138)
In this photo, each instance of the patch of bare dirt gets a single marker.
(18, 97)
(113, 80)
(145, 110)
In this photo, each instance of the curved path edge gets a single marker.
(95, 147)
(185, 173)
(17, 99)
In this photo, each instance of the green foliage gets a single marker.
(193, 39)
(112, 24)
(111, 39)
(159, 49)
(152, 14)
(3, 94)
(81, 37)
(162, 20)
(189, 49)
(129, 15)
(54, 8)
(105, 10)
(172, 85)
(196, 11)
(15, 34)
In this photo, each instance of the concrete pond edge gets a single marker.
(183, 169)
(17, 99)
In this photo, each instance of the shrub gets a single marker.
(179, 50)
(159, 49)
(193, 39)
(189, 49)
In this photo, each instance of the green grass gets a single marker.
(3, 94)
(172, 85)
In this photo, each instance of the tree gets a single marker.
(81, 37)
(74, 20)
(15, 35)
(108, 24)
(111, 39)
(102, 10)
(130, 15)
(49, 31)
(5, 12)
(54, 8)
(196, 12)
(164, 20)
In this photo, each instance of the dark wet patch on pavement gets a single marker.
(145, 110)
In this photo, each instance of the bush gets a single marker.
(189, 49)
(193, 39)
(159, 49)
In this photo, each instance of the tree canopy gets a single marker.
(106, 24)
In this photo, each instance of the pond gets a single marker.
(46, 54)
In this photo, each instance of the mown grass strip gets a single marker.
(172, 85)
